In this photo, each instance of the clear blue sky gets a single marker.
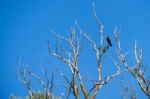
(25, 25)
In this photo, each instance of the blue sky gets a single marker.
(25, 26)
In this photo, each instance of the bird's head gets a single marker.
(107, 36)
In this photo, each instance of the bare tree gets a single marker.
(138, 70)
(69, 55)
(68, 49)
(25, 76)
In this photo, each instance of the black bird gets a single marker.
(108, 40)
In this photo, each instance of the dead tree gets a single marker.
(69, 52)
(138, 70)
(69, 55)
(25, 76)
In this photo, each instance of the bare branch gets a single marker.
(95, 16)
(23, 75)
(39, 79)
(62, 74)
(108, 78)
(52, 83)
(135, 53)
(137, 69)
(88, 38)
(99, 23)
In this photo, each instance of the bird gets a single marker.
(108, 40)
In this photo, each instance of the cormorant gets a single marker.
(108, 40)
